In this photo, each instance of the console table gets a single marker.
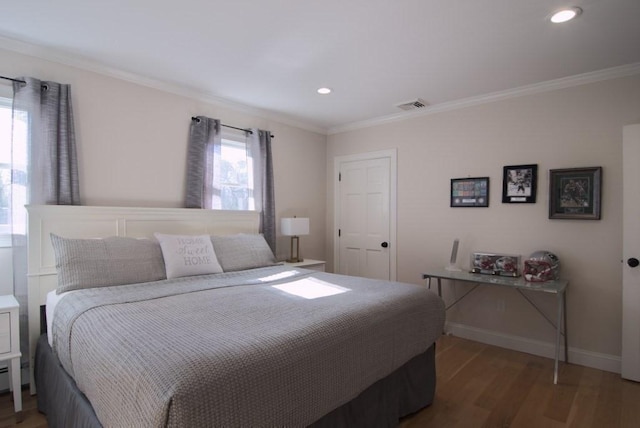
(557, 287)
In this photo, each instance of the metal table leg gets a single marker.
(564, 326)
(558, 333)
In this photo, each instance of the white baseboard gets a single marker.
(4, 378)
(4, 382)
(610, 363)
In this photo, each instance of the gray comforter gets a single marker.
(233, 350)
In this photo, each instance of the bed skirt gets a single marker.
(405, 391)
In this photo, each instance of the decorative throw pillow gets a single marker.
(242, 251)
(187, 255)
(116, 260)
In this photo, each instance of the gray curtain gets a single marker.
(265, 202)
(203, 155)
(53, 167)
(203, 179)
(45, 173)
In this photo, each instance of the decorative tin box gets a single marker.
(495, 264)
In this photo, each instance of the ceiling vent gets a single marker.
(413, 104)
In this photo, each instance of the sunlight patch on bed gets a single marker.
(311, 288)
(277, 276)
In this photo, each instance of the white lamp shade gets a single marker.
(295, 226)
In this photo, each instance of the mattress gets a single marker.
(52, 301)
(271, 346)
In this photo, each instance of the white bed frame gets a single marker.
(100, 222)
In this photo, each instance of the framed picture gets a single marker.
(519, 184)
(470, 192)
(574, 193)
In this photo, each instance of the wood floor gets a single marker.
(31, 417)
(480, 385)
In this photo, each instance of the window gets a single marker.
(236, 174)
(19, 162)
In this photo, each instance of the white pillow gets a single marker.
(187, 255)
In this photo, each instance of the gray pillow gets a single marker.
(242, 251)
(89, 263)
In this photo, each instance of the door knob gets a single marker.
(633, 262)
(384, 244)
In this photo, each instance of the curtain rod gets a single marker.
(193, 118)
(13, 80)
(232, 127)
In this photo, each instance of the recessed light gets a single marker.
(565, 15)
(324, 91)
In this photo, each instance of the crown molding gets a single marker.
(65, 58)
(551, 85)
(55, 55)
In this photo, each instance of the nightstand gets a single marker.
(308, 264)
(10, 347)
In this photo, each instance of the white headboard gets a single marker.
(100, 222)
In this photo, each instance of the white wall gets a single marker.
(6, 271)
(132, 143)
(574, 127)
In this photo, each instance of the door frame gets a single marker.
(630, 352)
(392, 155)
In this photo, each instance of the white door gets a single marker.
(364, 216)
(631, 253)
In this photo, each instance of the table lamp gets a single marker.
(295, 227)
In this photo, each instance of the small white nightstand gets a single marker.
(309, 264)
(10, 347)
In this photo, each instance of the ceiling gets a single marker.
(272, 55)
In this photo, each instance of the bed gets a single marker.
(251, 343)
